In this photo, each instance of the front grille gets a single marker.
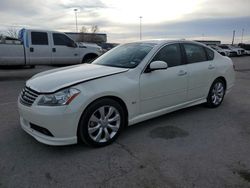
(28, 96)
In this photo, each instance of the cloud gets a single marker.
(209, 28)
(19, 7)
(120, 19)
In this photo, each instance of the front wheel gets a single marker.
(101, 123)
(216, 94)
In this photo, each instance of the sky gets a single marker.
(161, 19)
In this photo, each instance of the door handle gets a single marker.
(31, 49)
(210, 67)
(182, 73)
(53, 49)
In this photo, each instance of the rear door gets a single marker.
(64, 50)
(200, 67)
(39, 50)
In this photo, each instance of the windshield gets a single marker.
(125, 56)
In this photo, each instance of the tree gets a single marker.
(82, 33)
(94, 30)
(88, 34)
(12, 32)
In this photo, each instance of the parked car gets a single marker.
(131, 83)
(246, 47)
(108, 46)
(37, 47)
(224, 52)
(236, 50)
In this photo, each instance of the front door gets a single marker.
(63, 50)
(164, 88)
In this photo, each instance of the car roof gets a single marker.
(162, 41)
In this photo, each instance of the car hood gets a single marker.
(56, 79)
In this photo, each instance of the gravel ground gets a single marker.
(194, 147)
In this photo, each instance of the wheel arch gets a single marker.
(89, 55)
(222, 79)
(115, 98)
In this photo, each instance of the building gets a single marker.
(209, 42)
(88, 37)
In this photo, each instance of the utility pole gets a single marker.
(75, 10)
(242, 34)
(140, 28)
(233, 37)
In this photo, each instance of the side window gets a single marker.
(39, 38)
(61, 40)
(210, 54)
(170, 54)
(195, 53)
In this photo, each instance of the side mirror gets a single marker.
(156, 65)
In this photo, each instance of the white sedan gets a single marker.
(131, 83)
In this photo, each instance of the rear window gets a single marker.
(39, 38)
(195, 53)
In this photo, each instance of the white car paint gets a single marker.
(239, 51)
(146, 95)
(222, 51)
(28, 53)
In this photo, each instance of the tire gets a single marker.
(234, 54)
(101, 123)
(32, 66)
(216, 93)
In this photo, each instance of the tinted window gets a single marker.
(210, 54)
(195, 53)
(126, 56)
(61, 39)
(39, 38)
(171, 54)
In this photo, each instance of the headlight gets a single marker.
(99, 50)
(63, 97)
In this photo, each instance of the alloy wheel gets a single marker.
(104, 124)
(217, 93)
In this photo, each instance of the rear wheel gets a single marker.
(216, 94)
(101, 123)
(32, 66)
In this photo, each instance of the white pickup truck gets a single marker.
(37, 47)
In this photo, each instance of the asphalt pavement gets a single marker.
(194, 147)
